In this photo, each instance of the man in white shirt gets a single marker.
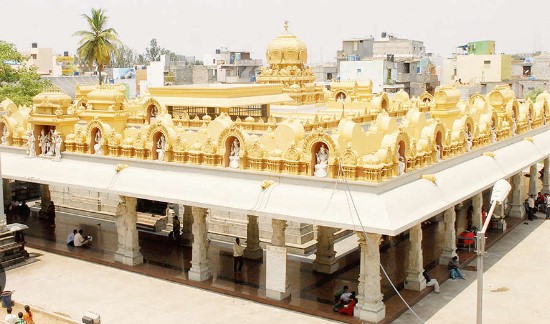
(10, 318)
(80, 241)
(237, 256)
(531, 204)
(70, 237)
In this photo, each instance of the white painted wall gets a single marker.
(364, 71)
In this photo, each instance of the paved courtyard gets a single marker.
(71, 287)
(516, 283)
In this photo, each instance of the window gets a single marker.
(33, 56)
(487, 62)
(407, 68)
(358, 71)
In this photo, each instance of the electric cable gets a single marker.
(369, 243)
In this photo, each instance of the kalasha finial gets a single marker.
(286, 26)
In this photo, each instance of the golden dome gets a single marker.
(106, 94)
(286, 49)
(52, 98)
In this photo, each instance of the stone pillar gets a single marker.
(6, 192)
(276, 281)
(449, 241)
(186, 219)
(325, 260)
(516, 202)
(415, 267)
(253, 249)
(278, 236)
(477, 203)
(45, 198)
(127, 234)
(533, 175)
(370, 307)
(3, 220)
(200, 265)
(546, 176)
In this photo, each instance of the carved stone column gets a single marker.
(127, 233)
(546, 177)
(278, 236)
(449, 241)
(415, 267)
(45, 197)
(253, 249)
(3, 219)
(516, 202)
(6, 192)
(370, 307)
(325, 260)
(276, 281)
(186, 219)
(200, 265)
(533, 175)
(477, 203)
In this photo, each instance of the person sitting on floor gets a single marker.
(454, 270)
(81, 240)
(70, 238)
(339, 293)
(346, 297)
(339, 304)
(348, 309)
(431, 282)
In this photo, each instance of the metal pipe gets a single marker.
(480, 254)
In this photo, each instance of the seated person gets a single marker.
(339, 293)
(81, 240)
(454, 270)
(70, 238)
(431, 282)
(348, 309)
(346, 297)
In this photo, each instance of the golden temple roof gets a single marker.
(286, 49)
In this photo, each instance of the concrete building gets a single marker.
(325, 71)
(42, 58)
(391, 63)
(230, 66)
(473, 69)
(389, 44)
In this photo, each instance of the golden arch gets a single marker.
(313, 143)
(91, 131)
(225, 140)
(153, 109)
(154, 133)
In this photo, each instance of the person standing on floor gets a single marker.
(28, 315)
(10, 318)
(531, 204)
(237, 256)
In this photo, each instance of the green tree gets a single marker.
(125, 57)
(153, 51)
(533, 94)
(98, 44)
(18, 81)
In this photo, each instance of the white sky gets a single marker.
(197, 27)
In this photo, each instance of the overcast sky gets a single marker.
(197, 27)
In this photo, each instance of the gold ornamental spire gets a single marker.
(286, 26)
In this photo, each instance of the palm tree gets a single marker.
(99, 43)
